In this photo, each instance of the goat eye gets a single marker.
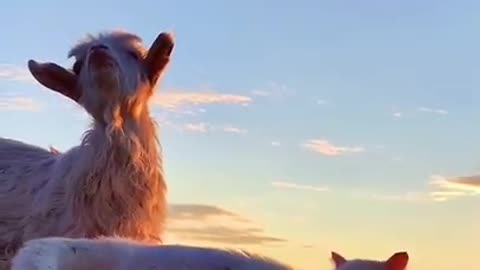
(77, 67)
(134, 55)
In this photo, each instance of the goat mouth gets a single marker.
(104, 70)
(105, 77)
(100, 58)
(102, 64)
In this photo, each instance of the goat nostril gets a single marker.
(99, 46)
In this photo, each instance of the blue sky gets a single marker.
(375, 102)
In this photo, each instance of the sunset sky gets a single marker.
(289, 128)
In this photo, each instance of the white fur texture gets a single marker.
(121, 254)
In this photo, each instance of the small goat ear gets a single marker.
(338, 259)
(397, 261)
(159, 55)
(56, 78)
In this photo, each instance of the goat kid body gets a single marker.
(122, 254)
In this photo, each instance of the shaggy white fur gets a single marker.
(112, 183)
(122, 254)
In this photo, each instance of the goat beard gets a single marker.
(106, 79)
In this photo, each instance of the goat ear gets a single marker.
(56, 78)
(397, 261)
(159, 55)
(338, 259)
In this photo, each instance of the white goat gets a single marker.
(397, 261)
(113, 182)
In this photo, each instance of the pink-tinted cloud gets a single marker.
(446, 188)
(440, 189)
(326, 148)
(198, 127)
(174, 100)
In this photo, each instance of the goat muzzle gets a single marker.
(100, 56)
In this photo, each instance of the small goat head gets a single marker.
(113, 76)
(397, 261)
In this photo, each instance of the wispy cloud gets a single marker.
(398, 115)
(289, 185)
(261, 93)
(205, 127)
(410, 196)
(321, 101)
(273, 89)
(230, 129)
(441, 189)
(15, 73)
(189, 104)
(275, 143)
(326, 148)
(175, 100)
(197, 127)
(446, 188)
(200, 211)
(200, 223)
(18, 104)
(432, 110)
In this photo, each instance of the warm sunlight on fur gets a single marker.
(122, 254)
(113, 182)
(397, 261)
